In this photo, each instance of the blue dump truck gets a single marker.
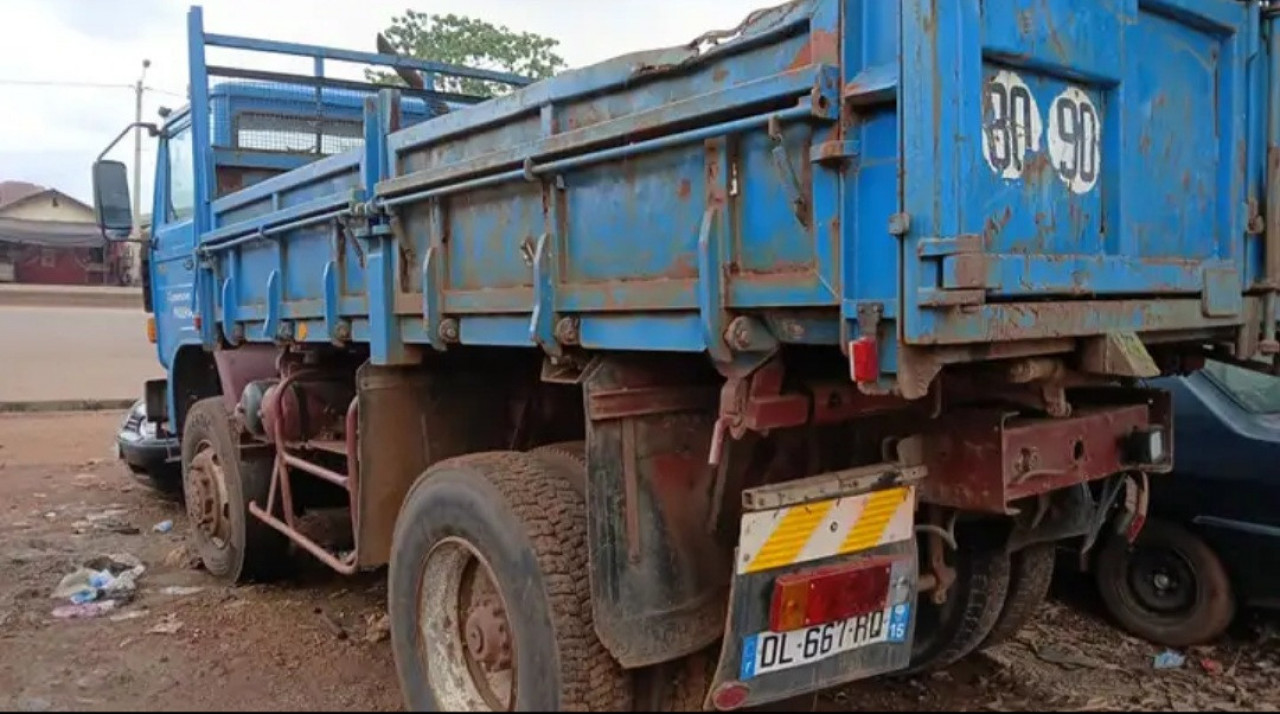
(711, 375)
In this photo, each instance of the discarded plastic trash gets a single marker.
(85, 611)
(1211, 666)
(1169, 660)
(163, 527)
(129, 615)
(108, 577)
(181, 590)
(73, 583)
(102, 579)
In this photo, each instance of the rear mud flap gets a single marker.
(865, 540)
(884, 646)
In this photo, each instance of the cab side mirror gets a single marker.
(111, 205)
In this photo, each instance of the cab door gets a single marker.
(172, 260)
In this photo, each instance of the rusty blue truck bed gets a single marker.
(937, 182)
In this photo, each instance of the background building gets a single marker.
(50, 238)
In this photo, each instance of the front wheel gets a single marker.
(219, 482)
(1168, 587)
(489, 594)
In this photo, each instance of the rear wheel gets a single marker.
(489, 593)
(219, 482)
(1030, 576)
(947, 632)
(1168, 587)
(680, 685)
(570, 459)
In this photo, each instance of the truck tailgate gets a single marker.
(1089, 151)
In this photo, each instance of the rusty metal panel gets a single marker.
(659, 567)
(983, 459)
(1083, 171)
(410, 418)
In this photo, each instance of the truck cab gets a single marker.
(258, 130)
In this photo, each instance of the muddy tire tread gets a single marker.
(553, 516)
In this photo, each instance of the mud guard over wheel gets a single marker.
(680, 685)
(660, 566)
(489, 594)
(947, 632)
(220, 480)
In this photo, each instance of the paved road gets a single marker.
(49, 353)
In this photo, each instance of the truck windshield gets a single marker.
(1256, 392)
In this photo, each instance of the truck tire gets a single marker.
(680, 685)
(219, 481)
(1031, 574)
(1169, 587)
(568, 457)
(948, 632)
(489, 593)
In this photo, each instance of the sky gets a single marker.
(52, 126)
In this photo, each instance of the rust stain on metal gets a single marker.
(684, 189)
(631, 490)
(985, 459)
(822, 46)
(639, 401)
(970, 270)
(996, 224)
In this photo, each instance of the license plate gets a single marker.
(767, 652)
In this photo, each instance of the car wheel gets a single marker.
(1168, 587)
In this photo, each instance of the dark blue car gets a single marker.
(1212, 543)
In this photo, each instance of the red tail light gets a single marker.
(864, 360)
(828, 595)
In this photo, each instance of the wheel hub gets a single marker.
(206, 496)
(488, 636)
(1162, 581)
(465, 637)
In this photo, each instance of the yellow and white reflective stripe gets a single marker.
(821, 529)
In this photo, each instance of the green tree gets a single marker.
(475, 43)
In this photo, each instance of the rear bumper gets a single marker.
(985, 459)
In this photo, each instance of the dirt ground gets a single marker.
(314, 642)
